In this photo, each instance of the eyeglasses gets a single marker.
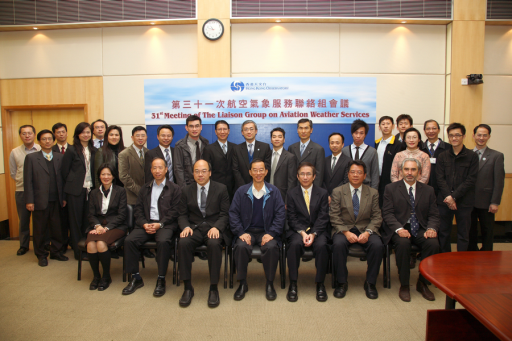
(47, 139)
(258, 170)
(306, 174)
(455, 136)
(249, 129)
(353, 172)
(201, 171)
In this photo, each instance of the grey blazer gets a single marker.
(370, 158)
(131, 172)
(285, 177)
(314, 154)
(490, 180)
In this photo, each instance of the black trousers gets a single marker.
(24, 219)
(137, 237)
(374, 253)
(463, 219)
(296, 249)
(269, 255)
(486, 220)
(428, 246)
(78, 210)
(64, 224)
(187, 246)
(46, 222)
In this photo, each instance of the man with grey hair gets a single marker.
(410, 217)
(247, 151)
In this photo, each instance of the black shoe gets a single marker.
(134, 285)
(160, 287)
(148, 254)
(94, 283)
(371, 291)
(59, 257)
(240, 292)
(292, 295)
(213, 298)
(104, 284)
(43, 261)
(321, 294)
(22, 251)
(186, 298)
(341, 290)
(47, 247)
(363, 259)
(270, 292)
(114, 255)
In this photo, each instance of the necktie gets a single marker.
(432, 150)
(198, 151)
(62, 151)
(203, 202)
(306, 198)
(302, 148)
(357, 153)
(168, 161)
(251, 151)
(48, 157)
(333, 163)
(413, 221)
(224, 149)
(479, 152)
(355, 203)
(141, 155)
(273, 168)
(101, 143)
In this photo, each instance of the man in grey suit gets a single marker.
(131, 164)
(283, 169)
(488, 189)
(308, 151)
(361, 151)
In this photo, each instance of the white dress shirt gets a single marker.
(105, 201)
(223, 144)
(335, 159)
(206, 188)
(427, 144)
(352, 189)
(258, 194)
(276, 154)
(155, 194)
(65, 146)
(362, 148)
(381, 150)
(304, 144)
(407, 186)
(162, 148)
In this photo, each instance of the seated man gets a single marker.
(356, 218)
(156, 218)
(411, 217)
(257, 216)
(204, 210)
(308, 216)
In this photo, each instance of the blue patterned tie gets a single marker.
(355, 203)
(168, 161)
(302, 148)
(415, 226)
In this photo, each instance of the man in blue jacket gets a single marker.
(256, 217)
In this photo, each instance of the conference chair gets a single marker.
(387, 262)
(152, 245)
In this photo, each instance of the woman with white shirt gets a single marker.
(412, 145)
(107, 223)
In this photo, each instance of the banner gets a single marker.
(265, 100)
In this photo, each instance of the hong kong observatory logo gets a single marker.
(237, 86)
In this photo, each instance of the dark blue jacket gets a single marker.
(274, 214)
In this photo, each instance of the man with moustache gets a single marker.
(131, 164)
(387, 147)
(283, 168)
(164, 134)
(336, 164)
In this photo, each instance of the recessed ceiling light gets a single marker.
(152, 23)
(404, 22)
(278, 20)
(35, 28)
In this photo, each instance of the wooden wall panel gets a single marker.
(469, 9)
(4, 212)
(505, 211)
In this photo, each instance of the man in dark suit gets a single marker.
(256, 217)
(165, 134)
(336, 164)
(283, 169)
(387, 147)
(131, 164)
(220, 156)
(156, 218)
(356, 218)
(44, 197)
(308, 216)
(60, 130)
(203, 219)
(411, 217)
(488, 189)
(247, 151)
(308, 151)
(433, 146)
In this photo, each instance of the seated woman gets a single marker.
(411, 148)
(109, 153)
(107, 216)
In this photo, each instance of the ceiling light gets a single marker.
(278, 20)
(152, 23)
(35, 28)
(404, 22)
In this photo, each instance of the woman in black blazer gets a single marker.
(78, 173)
(107, 216)
(109, 153)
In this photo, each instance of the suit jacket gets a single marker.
(37, 179)
(299, 219)
(392, 148)
(342, 210)
(314, 154)
(339, 175)
(222, 164)
(397, 208)
(73, 170)
(116, 212)
(441, 148)
(168, 205)
(184, 168)
(371, 159)
(285, 176)
(490, 180)
(56, 149)
(131, 172)
(148, 158)
(241, 162)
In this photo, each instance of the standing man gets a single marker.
(356, 218)
(60, 130)
(336, 165)
(220, 156)
(248, 151)
(189, 150)
(131, 164)
(204, 218)
(257, 217)
(411, 217)
(156, 218)
(283, 169)
(360, 151)
(308, 217)
(433, 146)
(403, 122)
(16, 162)
(456, 171)
(99, 127)
(308, 151)
(164, 134)
(387, 147)
(488, 189)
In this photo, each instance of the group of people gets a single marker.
(405, 191)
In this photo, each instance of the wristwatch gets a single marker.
(369, 231)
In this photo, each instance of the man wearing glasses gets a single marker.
(456, 171)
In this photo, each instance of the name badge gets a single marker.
(433, 160)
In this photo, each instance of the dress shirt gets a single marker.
(12, 161)
(333, 161)
(96, 143)
(137, 151)
(163, 151)
(407, 186)
(62, 145)
(352, 189)
(253, 145)
(482, 151)
(155, 194)
(88, 175)
(47, 154)
(310, 189)
(105, 201)
(428, 143)
(362, 148)
(206, 189)
(192, 145)
(223, 144)
(381, 150)
(258, 194)
(274, 152)
(304, 144)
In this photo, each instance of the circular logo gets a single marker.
(237, 86)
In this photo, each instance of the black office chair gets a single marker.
(82, 247)
(387, 262)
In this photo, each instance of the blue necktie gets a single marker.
(251, 152)
(168, 161)
(415, 226)
(302, 148)
(432, 151)
(355, 203)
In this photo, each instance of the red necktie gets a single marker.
(63, 150)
